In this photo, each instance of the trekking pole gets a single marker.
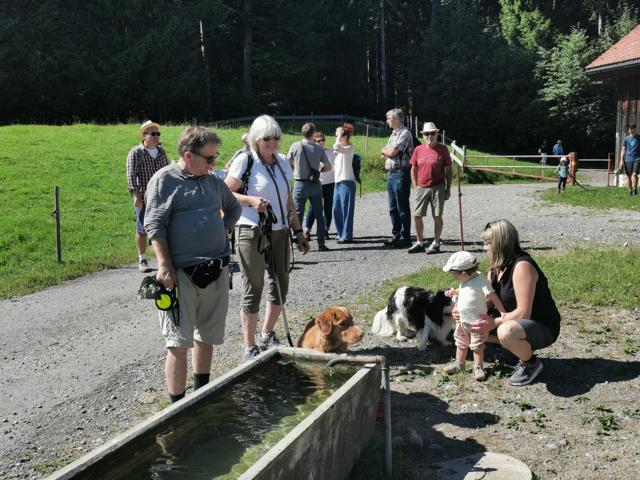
(284, 312)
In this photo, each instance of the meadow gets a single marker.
(87, 163)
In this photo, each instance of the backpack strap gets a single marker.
(247, 173)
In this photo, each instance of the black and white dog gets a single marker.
(425, 312)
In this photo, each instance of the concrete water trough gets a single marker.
(317, 436)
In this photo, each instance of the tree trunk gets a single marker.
(247, 46)
(207, 75)
(383, 56)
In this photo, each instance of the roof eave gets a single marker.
(615, 70)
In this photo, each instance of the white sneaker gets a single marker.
(143, 266)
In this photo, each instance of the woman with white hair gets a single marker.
(264, 175)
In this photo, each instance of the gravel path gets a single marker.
(84, 360)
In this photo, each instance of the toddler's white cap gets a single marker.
(460, 261)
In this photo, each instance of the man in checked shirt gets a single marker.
(142, 162)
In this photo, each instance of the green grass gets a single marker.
(591, 276)
(87, 162)
(600, 198)
(478, 176)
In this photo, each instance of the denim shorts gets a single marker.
(139, 212)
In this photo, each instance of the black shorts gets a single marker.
(632, 167)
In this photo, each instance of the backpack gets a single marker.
(356, 163)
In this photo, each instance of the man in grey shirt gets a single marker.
(307, 159)
(188, 229)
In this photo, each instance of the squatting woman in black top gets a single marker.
(532, 320)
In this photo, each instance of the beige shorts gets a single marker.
(253, 266)
(429, 195)
(203, 312)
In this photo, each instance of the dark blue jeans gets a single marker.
(398, 190)
(313, 192)
(327, 206)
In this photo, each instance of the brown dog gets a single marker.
(331, 331)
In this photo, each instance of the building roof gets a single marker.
(620, 58)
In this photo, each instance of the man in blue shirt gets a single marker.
(557, 148)
(630, 158)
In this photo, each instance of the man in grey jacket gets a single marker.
(189, 212)
(307, 159)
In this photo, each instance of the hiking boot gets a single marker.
(250, 353)
(526, 372)
(417, 248)
(391, 242)
(479, 375)
(433, 248)
(453, 368)
(268, 341)
(323, 248)
(402, 243)
(143, 266)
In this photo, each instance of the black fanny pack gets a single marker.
(205, 273)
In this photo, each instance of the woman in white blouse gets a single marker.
(344, 195)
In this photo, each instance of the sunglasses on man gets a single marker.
(209, 159)
(152, 134)
(268, 139)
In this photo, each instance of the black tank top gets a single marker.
(543, 310)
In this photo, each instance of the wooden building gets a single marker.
(622, 63)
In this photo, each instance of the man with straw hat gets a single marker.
(143, 161)
(431, 176)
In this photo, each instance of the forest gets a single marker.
(500, 75)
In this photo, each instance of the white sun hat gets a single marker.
(460, 261)
(429, 127)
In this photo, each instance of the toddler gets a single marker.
(473, 293)
(562, 171)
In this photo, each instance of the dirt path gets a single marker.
(83, 361)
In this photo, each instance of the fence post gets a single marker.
(56, 213)
(609, 155)
(573, 166)
(464, 155)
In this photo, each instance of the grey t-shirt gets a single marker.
(314, 153)
(188, 210)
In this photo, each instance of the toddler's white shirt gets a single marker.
(472, 298)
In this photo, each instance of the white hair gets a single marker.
(263, 126)
(396, 113)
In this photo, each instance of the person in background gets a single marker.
(327, 180)
(562, 170)
(557, 148)
(543, 151)
(431, 176)
(532, 320)
(630, 159)
(344, 198)
(267, 184)
(396, 155)
(143, 161)
(308, 159)
(189, 235)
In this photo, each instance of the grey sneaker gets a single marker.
(268, 341)
(479, 374)
(526, 372)
(433, 248)
(143, 266)
(249, 353)
(453, 368)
